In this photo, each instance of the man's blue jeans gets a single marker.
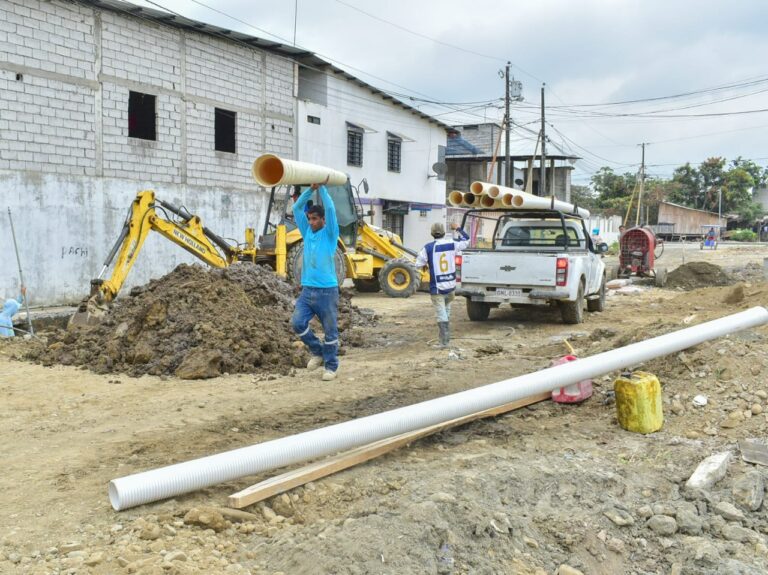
(323, 303)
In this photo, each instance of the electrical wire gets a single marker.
(420, 35)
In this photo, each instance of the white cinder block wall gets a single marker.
(67, 167)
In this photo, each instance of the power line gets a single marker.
(419, 34)
(741, 83)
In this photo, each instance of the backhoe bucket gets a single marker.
(92, 309)
(89, 313)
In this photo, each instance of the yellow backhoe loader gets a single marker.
(374, 259)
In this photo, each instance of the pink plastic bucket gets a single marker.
(574, 393)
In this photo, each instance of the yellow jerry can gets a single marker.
(638, 402)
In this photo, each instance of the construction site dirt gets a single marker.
(195, 323)
(542, 487)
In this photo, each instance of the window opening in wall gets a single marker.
(313, 120)
(142, 119)
(354, 146)
(394, 222)
(225, 131)
(393, 153)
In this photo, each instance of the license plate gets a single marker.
(508, 292)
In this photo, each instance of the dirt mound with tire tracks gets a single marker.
(196, 323)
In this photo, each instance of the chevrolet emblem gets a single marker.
(507, 268)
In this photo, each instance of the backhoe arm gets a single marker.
(188, 233)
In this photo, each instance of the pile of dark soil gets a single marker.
(196, 323)
(697, 275)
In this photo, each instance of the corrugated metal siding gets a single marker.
(686, 220)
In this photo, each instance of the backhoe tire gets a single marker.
(573, 311)
(367, 285)
(295, 258)
(478, 310)
(398, 278)
(598, 304)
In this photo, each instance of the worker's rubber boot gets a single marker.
(442, 327)
(447, 341)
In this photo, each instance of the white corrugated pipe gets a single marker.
(523, 200)
(126, 492)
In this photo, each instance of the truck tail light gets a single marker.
(561, 275)
(457, 261)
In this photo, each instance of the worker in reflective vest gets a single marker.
(440, 256)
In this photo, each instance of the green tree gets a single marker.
(584, 197)
(712, 181)
(686, 189)
(759, 175)
(613, 190)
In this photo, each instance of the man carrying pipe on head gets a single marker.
(10, 308)
(319, 284)
(440, 256)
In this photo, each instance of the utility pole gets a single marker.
(508, 123)
(642, 183)
(542, 166)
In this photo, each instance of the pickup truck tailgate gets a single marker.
(511, 269)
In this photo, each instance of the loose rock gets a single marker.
(688, 520)
(729, 512)
(205, 517)
(749, 490)
(709, 471)
(619, 517)
(662, 524)
(733, 532)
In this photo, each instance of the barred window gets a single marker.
(393, 153)
(354, 146)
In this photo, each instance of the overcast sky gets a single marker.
(587, 52)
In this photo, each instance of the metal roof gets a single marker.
(301, 56)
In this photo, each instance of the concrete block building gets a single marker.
(102, 99)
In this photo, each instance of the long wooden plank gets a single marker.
(286, 481)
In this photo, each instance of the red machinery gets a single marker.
(637, 255)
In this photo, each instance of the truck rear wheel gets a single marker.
(573, 311)
(398, 278)
(478, 310)
(295, 259)
(598, 304)
(367, 285)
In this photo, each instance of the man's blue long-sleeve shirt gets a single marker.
(318, 269)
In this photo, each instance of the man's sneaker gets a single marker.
(315, 362)
(329, 375)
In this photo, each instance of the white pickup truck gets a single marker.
(541, 257)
